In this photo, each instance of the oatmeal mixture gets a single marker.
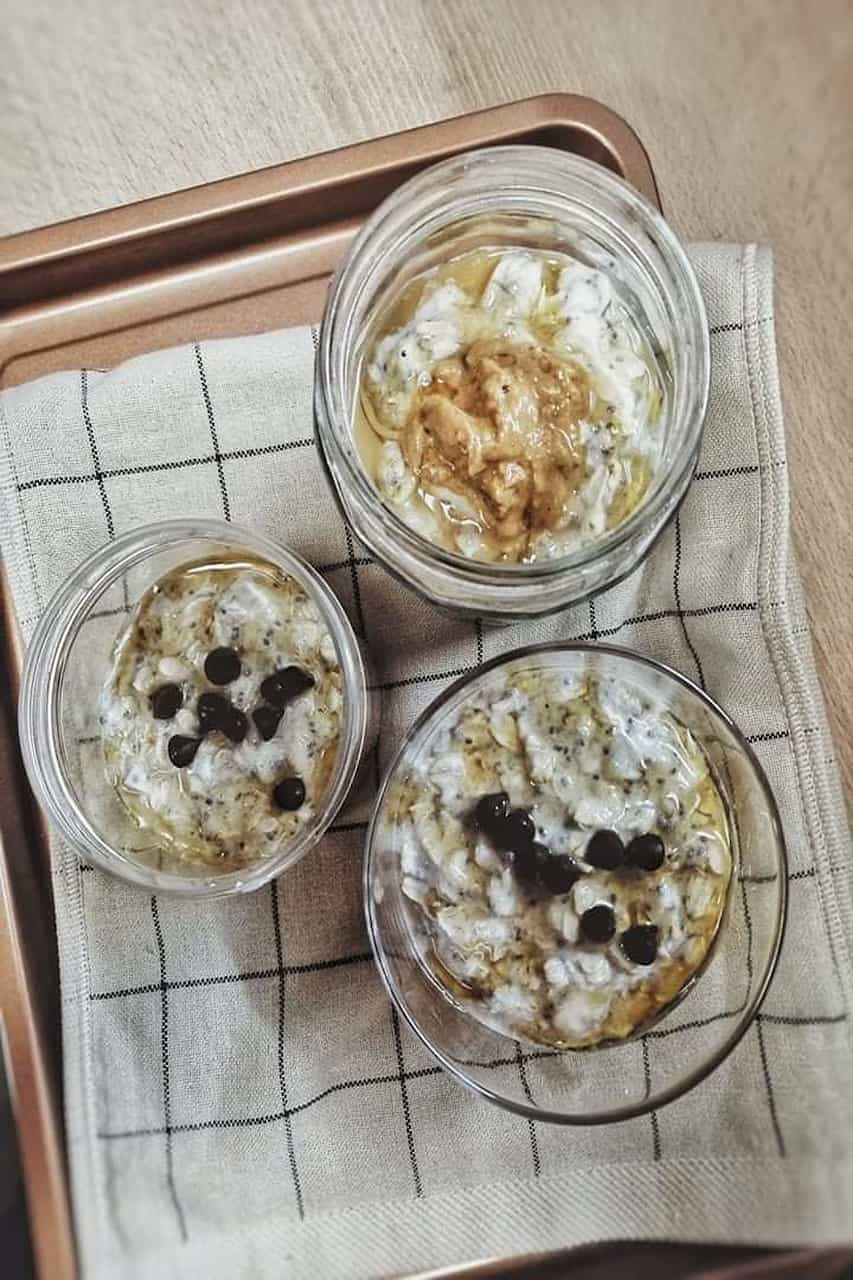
(567, 855)
(222, 712)
(509, 407)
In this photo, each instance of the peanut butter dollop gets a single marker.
(498, 426)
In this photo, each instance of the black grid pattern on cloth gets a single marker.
(675, 619)
(97, 474)
(519, 1058)
(282, 1072)
(167, 1107)
(218, 457)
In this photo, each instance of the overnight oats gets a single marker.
(511, 379)
(510, 406)
(221, 715)
(564, 851)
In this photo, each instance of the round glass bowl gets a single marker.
(67, 665)
(539, 198)
(692, 1034)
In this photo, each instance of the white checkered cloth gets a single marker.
(241, 1101)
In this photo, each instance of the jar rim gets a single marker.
(42, 693)
(408, 212)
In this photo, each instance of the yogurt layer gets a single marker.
(566, 853)
(229, 788)
(511, 410)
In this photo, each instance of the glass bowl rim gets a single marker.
(744, 1018)
(47, 654)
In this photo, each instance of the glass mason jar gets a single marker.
(67, 665)
(538, 198)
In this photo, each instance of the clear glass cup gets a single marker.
(694, 1033)
(539, 198)
(68, 662)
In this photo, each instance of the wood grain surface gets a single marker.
(744, 105)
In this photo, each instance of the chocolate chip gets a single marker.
(605, 851)
(221, 666)
(559, 872)
(166, 701)
(527, 863)
(286, 684)
(598, 924)
(490, 811)
(640, 943)
(182, 750)
(646, 852)
(514, 832)
(267, 720)
(289, 793)
(212, 710)
(235, 724)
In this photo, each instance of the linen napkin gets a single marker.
(241, 1099)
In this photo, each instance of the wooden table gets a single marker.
(744, 105)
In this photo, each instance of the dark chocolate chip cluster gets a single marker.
(277, 691)
(216, 713)
(513, 832)
(607, 852)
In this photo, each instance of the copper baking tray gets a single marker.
(238, 256)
